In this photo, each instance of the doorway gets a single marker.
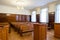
(51, 20)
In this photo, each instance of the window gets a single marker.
(57, 14)
(16, 17)
(44, 15)
(33, 16)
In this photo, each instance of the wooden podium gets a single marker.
(40, 31)
(4, 31)
(57, 30)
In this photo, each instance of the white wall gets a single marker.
(51, 7)
(13, 10)
(38, 10)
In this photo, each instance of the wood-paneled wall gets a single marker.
(13, 18)
(3, 17)
(21, 18)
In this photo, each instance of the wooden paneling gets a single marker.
(3, 17)
(57, 30)
(40, 31)
(11, 18)
(21, 18)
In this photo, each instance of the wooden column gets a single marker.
(57, 30)
(40, 31)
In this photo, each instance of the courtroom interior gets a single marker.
(29, 19)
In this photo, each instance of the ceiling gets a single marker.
(29, 4)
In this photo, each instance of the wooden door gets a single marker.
(51, 20)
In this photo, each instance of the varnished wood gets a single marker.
(29, 36)
(12, 18)
(22, 27)
(40, 31)
(21, 18)
(57, 30)
(3, 17)
(4, 31)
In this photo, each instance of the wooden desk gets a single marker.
(40, 31)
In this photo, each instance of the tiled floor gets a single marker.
(28, 36)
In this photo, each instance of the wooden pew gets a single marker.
(23, 27)
(4, 29)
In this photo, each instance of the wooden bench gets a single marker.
(23, 27)
(4, 29)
